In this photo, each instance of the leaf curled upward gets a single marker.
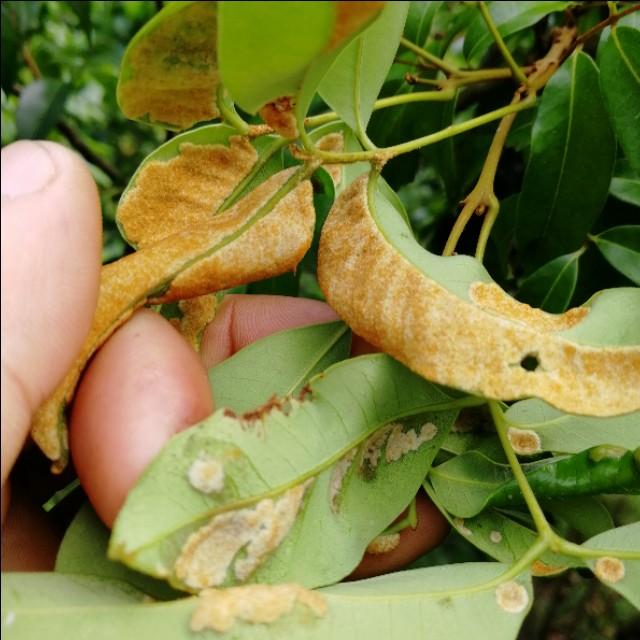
(448, 321)
(169, 71)
(188, 243)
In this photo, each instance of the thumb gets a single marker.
(50, 274)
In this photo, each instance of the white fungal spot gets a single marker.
(512, 597)
(10, 618)
(206, 475)
(384, 544)
(525, 442)
(210, 551)
(609, 569)
(495, 537)
(337, 478)
(219, 609)
(402, 442)
(373, 446)
(460, 526)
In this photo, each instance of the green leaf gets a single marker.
(625, 185)
(447, 601)
(278, 364)
(419, 20)
(41, 105)
(304, 458)
(169, 72)
(82, 11)
(587, 515)
(619, 60)
(509, 17)
(621, 539)
(565, 433)
(551, 286)
(621, 248)
(83, 551)
(468, 483)
(353, 82)
(11, 42)
(569, 171)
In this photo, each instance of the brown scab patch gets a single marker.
(197, 313)
(512, 597)
(401, 442)
(279, 115)
(541, 569)
(395, 306)
(170, 73)
(384, 544)
(350, 17)
(171, 196)
(340, 470)
(334, 143)
(495, 537)
(609, 569)
(372, 448)
(211, 551)
(220, 609)
(232, 248)
(524, 442)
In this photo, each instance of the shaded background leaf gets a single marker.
(621, 248)
(41, 104)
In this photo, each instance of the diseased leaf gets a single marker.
(622, 576)
(297, 467)
(353, 82)
(621, 248)
(41, 105)
(198, 230)
(509, 18)
(169, 73)
(439, 314)
(446, 601)
(266, 48)
(569, 171)
(619, 59)
(279, 364)
(551, 286)
(468, 483)
(83, 552)
(565, 433)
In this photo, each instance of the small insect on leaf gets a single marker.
(448, 321)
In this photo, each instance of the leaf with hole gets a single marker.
(448, 601)
(196, 231)
(621, 248)
(567, 178)
(169, 73)
(440, 314)
(551, 286)
(328, 469)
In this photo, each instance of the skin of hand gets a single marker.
(144, 385)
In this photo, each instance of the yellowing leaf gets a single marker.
(448, 321)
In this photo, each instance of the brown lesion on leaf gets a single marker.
(524, 442)
(350, 17)
(372, 450)
(471, 346)
(609, 569)
(212, 551)
(541, 569)
(512, 597)
(401, 442)
(220, 609)
(384, 543)
(197, 313)
(170, 74)
(333, 143)
(170, 196)
(338, 474)
(280, 116)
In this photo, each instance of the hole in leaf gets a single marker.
(530, 362)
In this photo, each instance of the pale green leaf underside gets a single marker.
(446, 602)
(565, 433)
(345, 406)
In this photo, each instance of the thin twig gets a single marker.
(611, 20)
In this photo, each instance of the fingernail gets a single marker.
(27, 167)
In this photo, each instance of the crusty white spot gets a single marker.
(337, 477)
(525, 442)
(384, 543)
(460, 526)
(210, 551)
(512, 597)
(495, 537)
(373, 446)
(609, 569)
(206, 475)
(402, 442)
(219, 609)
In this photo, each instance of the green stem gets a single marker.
(539, 519)
(228, 112)
(425, 55)
(506, 54)
(487, 224)
(569, 548)
(384, 154)
(384, 103)
(410, 520)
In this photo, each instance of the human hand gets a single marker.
(146, 383)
